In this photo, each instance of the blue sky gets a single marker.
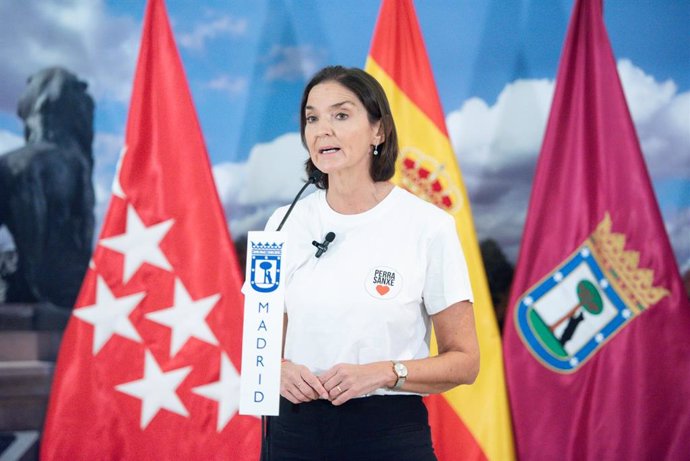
(475, 48)
(246, 62)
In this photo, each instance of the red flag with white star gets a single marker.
(149, 364)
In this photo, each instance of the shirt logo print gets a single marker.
(383, 282)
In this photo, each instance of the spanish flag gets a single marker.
(468, 422)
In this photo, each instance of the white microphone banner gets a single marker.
(262, 337)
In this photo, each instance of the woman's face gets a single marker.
(337, 130)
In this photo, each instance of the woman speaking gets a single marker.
(359, 307)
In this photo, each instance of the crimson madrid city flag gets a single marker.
(148, 367)
(596, 340)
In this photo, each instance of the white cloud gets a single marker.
(645, 95)
(107, 147)
(662, 120)
(665, 139)
(293, 62)
(229, 178)
(229, 85)
(222, 26)
(275, 170)
(106, 152)
(497, 148)
(272, 175)
(9, 141)
(79, 35)
(514, 126)
(678, 228)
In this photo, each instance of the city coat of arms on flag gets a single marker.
(570, 314)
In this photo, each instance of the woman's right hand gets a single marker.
(299, 385)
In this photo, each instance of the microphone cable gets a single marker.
(314, 177)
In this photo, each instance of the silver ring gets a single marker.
(340, 391)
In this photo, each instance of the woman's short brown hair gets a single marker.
(373, 98)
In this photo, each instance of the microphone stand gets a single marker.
(313, 178)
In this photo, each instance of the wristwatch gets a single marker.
(401, 371)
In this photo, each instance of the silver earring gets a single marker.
(376, 150)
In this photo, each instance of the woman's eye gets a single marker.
(310, 118)
(340, 116)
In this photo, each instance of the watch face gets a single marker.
(401, 369)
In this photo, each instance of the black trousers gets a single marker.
(366, 429)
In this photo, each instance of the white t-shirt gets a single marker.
(368, 298)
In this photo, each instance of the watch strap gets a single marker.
(401, 377)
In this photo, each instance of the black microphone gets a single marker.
(314, 177)
(323, 246)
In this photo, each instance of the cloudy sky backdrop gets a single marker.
(494, 62)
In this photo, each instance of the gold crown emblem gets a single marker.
(425, 177)
(634, 284)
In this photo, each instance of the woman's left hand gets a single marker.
(345, 381)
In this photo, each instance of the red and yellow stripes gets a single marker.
(469, 422)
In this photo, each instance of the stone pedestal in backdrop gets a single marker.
(29, 340)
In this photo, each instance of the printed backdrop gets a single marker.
(494, 63)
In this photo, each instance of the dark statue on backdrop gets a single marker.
(46, 193)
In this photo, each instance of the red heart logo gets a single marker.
(382, 289)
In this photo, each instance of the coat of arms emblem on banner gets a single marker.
(570, 314)
(265, 268)
(426, 177)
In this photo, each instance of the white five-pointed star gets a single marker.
(186, 318)
(156, 390)
(110, 315)
(226, 392)
(140, 244)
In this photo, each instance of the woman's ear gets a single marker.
(380, 137)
